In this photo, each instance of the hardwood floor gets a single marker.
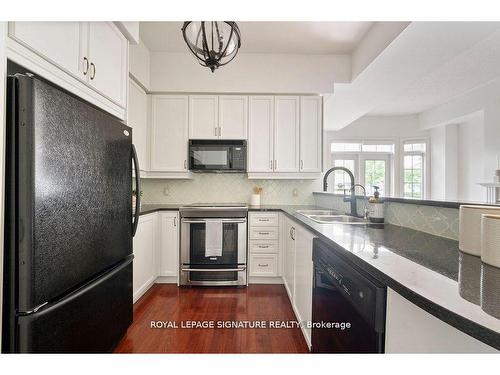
(167, 302)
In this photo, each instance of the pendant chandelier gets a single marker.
(214, 43)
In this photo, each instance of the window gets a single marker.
(369, 161)
(375, 175)
(341, 180)
(413, 169)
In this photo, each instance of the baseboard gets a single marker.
(166, 280)
(143, 289)
(265, 280)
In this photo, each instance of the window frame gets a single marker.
(425, 164)
(393, 159)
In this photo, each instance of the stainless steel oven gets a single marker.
(213, 244)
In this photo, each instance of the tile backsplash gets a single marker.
(439, 221)
(237, 188)
(227, 188)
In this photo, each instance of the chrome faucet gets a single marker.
(352, 199)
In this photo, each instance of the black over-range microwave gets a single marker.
(208, 155)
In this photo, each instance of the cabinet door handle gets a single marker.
(302, 164)
(292, 233)
(175, 221)
(86, 70)
(92, 74)
(185, 164)
(215, 131)
(220, 132)
(275, 164)
(270, 164)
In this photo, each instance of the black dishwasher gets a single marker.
(348, 314)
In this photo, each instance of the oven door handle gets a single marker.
(213, 269)
(202, 221)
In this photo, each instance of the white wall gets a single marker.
(480, 109)
(250, 73)
(139, 64)
(444, 162)
(380, 35)
(389, 127)
(471, 160)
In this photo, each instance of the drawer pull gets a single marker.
(263, 265)
(263, 219)
(263, 246)
(264, 233)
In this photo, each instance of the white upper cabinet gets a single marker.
(108, 56)
(89, 59)
(57, 42)
(261, 134)
(286, 134)
(169, 133)
(310, 133)
(204, 117)
(233, 117)
(137, 120)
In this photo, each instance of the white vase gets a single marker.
(255, 200)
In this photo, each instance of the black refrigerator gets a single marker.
(68, 222)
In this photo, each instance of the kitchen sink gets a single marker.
(316, 212)
(330, 217)
(337, 219)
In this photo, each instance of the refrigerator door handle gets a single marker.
(135, 223)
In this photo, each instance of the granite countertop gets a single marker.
(421, 267)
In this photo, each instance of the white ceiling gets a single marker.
(269, 37)
(466, 71)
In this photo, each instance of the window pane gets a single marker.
(345, 147)
(413, 176)
(341, 180)
(389, 148)
(375, 176)
(414, 146)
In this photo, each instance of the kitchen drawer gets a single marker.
(268, 219)
(263, 233)
(263, 264)
(268, 247)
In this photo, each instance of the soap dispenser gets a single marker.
(376, 207)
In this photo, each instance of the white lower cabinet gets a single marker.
(298, 272)
(302, 300)
(145, 255)
(264, 265)
(289, 252)
(410, 329)
(264, 255)
(156, 251)
(169, 244)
